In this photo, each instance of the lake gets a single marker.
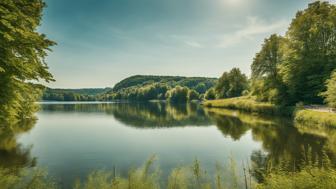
(71, 140)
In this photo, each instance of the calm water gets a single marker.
(73, 139)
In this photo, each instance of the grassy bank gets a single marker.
(315, 118)
(303, 117)
(249, 105)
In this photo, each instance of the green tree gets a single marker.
(178, 94)
(309, 52)
(22, 54)
(193, 95)
(210, 94)
(330, 94)
(201, 88)
(267, 83)
(231, 84)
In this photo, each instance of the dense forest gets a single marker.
(141, 88)
(87, 94)
(172, 88)
(296, 68)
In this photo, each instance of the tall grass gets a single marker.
(312, 175)
(32, 179)
(248, 104)
(315, 119)
(148, 176)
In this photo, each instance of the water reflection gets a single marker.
(12, 154)
(160, 115)
(284, 144)
(281, 141)
(142, 115)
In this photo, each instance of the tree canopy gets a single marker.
(231, 84)
(267, 84)
(330, 93)
(310, 52)
(142, 87)
(22, 54)
(294, 68)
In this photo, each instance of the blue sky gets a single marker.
(101, 42)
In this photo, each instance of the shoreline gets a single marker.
(300, 115)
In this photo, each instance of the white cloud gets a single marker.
(253, 27)
(193, 44)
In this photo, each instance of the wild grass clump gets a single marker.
(148, 177)
(32, 179)
(308, 178)
(310, 175)
(249, 105)
(315, 119)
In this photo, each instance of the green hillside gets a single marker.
(149, 87)
(200, 84)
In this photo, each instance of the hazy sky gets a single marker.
(103, 41)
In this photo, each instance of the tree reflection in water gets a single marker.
(12, 154)
(282, 142)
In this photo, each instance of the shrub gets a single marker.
(210, 94)
(330, 94)
(178, 94)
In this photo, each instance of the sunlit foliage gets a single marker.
(89, 94)
(22, 54)
(330, 93)
(295, 67)
(231, 84)
(267, 84)
(144, 88)
(311, 118)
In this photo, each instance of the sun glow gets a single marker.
(232, 2)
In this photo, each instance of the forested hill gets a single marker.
(149, 87)
(87, 94)
(200, 84)
(138, 87)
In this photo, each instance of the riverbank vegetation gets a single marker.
(298, 68)
(244, 104)
(295, 67)
(193, 176)
(312, 118)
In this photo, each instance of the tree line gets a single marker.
(88, 94)
(297, 67)
(172, 88)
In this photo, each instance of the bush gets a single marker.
(330, 94)
(231, 84)
(193, 95)
(210, 94)
(178, 94)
